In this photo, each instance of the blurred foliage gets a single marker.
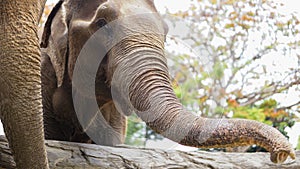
(298, 146)
(232, 41)
(265, 112)
(138, 133)
(135, 131)
(47, 10)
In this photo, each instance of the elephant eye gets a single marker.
(101, 22)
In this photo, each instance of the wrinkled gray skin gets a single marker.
(150, 94)
(20, 82)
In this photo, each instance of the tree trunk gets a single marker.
(74, 155)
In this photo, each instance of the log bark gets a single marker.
(75, 155)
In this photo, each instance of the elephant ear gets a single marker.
(54, 40)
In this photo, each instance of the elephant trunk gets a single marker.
(144, 80)
(20, 95)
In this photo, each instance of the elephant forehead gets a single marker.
(85, 10)
(135, 7)
(89, 10)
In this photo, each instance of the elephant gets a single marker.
(20, 82)
(132, 77)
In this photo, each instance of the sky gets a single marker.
(176, 5)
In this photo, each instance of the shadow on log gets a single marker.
(74, 155)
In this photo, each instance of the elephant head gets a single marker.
(132, 76)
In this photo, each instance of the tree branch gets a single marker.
(260, 95)
(289, 107)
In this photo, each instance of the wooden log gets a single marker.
(69, 155)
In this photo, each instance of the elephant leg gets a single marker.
(66, 117)
(116, 120)
(49, 88)
(106, 126)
